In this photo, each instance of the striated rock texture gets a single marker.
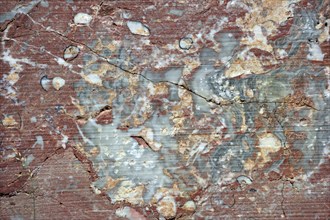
(216, 109)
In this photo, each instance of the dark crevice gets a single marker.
(86, 163)
(7, 25)
(92, 115)
(141, 141)
(281, 125)
(283, 200)
(10, 194)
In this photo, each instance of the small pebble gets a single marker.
(82, 19)
(58, 83)
(138, 28)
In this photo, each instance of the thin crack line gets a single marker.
(280, 124)
(185, 87)
(49, 30)
(182, 86)
(283, 199)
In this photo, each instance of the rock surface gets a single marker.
(165, 110)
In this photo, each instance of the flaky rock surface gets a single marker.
(164, 110)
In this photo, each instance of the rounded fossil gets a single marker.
(58, 83)
(45, 82)
(185, 43)
(71, 52)
(244, 180)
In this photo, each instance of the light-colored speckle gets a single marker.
(64, 141)
(40, 142)
(12, 78)
(19, 9)
(27, 160)
(129, 213)
(189, 206)
(167, 207)
(96, 190)
(268, 143)
(176, 12)
(315, 53)
(138, 28)
(33, 119)
(9, 121)
(94, 79)
(62, 62)
(82, 19)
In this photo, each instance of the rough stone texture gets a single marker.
(213, 109)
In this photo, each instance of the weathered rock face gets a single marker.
(162, 109)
